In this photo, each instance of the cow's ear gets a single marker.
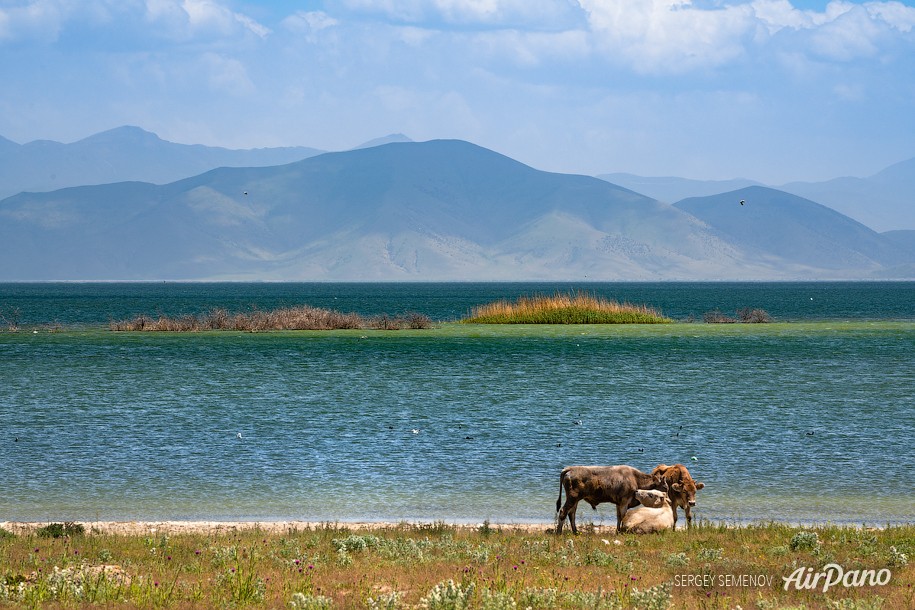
(677, 487)
(700, 485)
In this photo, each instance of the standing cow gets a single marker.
(596, 484)
(682, 489)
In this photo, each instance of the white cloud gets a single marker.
(894, 14)
(310, 25)
(37, 20)
(667, 36)
(852, 35)
(189, 19)
(44, 20)
(676, 36)
(309, 21)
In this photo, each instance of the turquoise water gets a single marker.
(807, 420)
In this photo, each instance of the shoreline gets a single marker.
(206, 527)
(135, 528)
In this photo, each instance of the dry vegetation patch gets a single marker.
(290, 318)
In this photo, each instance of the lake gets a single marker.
(809, 419)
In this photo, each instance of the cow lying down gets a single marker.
(654, 514)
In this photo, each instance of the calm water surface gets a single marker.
(810, 420)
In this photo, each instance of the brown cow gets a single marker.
(682, 490)
(596, 484)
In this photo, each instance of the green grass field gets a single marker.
(442, 566)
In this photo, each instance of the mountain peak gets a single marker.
(388, 139)
(123, 134)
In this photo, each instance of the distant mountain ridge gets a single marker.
(671, 189)
(769, 223)
(438, 210)
(883, 202)
(122, 154)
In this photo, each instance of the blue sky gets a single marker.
(774, 90)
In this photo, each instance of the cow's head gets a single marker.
(687, 490)
(658, 482)
(652, 498)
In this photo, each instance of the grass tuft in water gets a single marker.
(570, 308)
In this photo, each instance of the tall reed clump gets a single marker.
(290, 318)
(570, 308)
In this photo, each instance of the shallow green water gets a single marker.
(805, 421)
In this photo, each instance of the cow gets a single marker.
(653, 516)
(682, 489)
(596, 484)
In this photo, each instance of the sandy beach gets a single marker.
(132, 528)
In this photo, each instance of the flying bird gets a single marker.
(742, 201)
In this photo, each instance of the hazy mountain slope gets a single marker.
(440, 210)
(772, 223)
(671, 189)
(434, 210)
(884, 201)
(118, 155)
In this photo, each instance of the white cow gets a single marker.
(652, 516)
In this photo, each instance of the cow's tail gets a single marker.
(562, 478)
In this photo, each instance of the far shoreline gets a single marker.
(212, 527)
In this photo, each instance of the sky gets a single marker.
(771, 90)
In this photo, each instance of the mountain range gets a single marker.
(121, 154)
(439, 210)
(883, 202)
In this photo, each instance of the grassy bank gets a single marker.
(577, 308)
(441, 566)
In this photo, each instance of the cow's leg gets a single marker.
(621, 509)
(572, 512)
(689, 516)
(568, 510)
